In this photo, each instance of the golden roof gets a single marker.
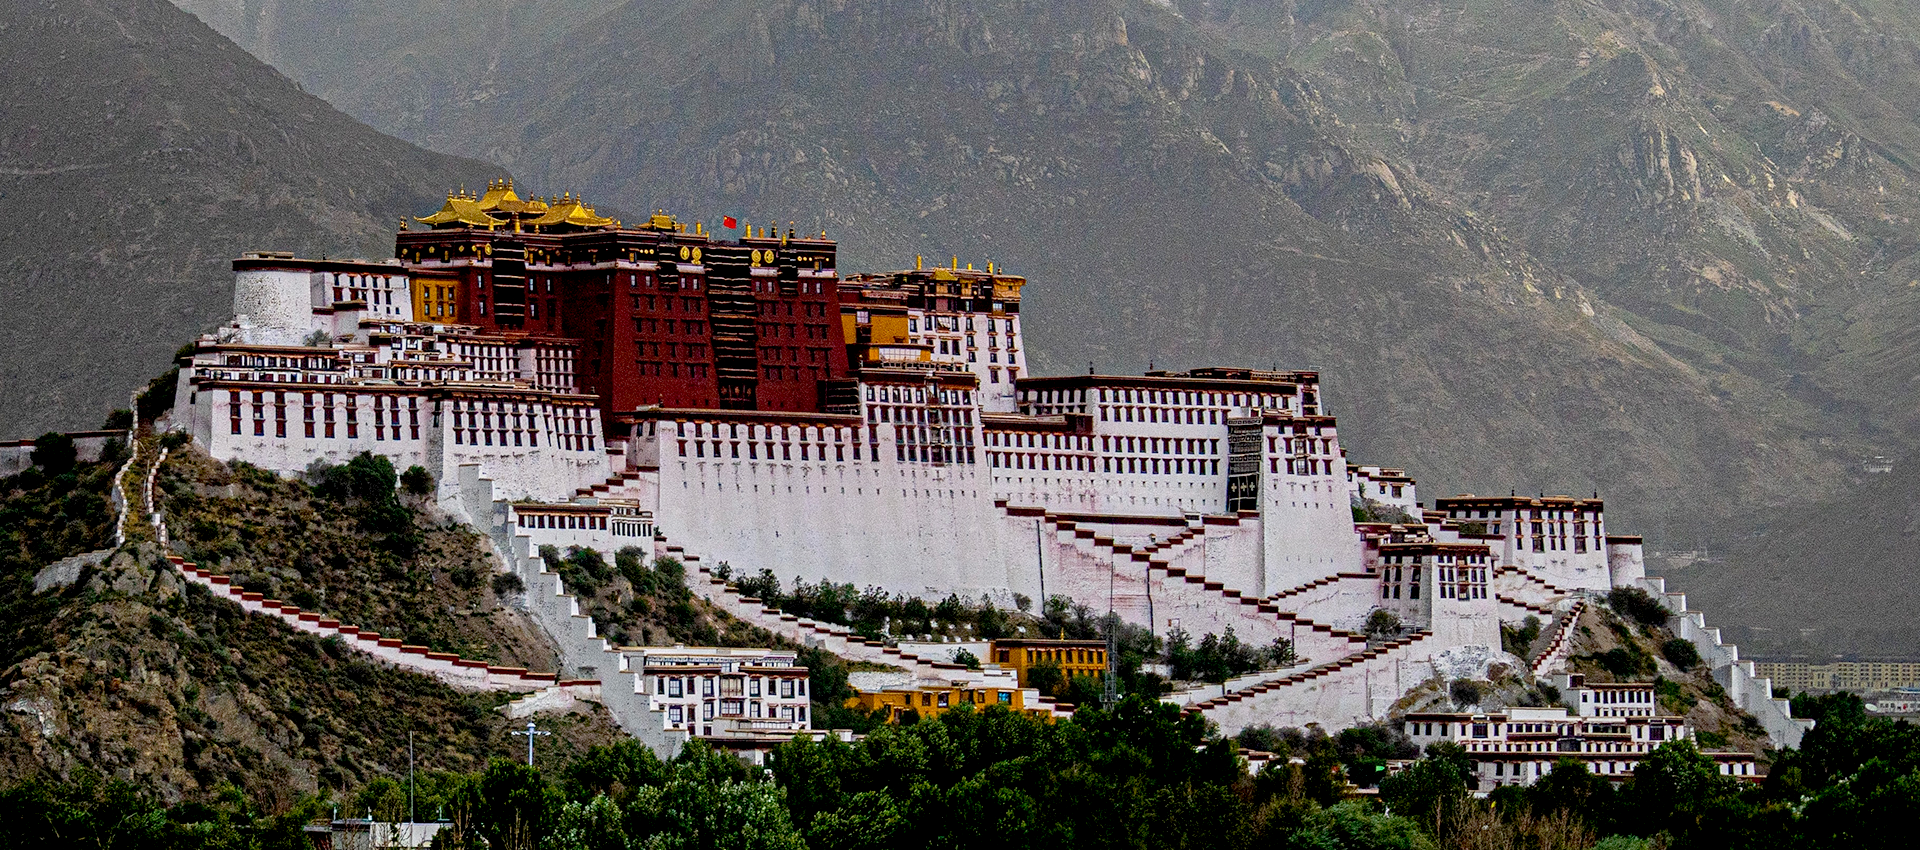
(461, 208)
(570, 211)
(500, 197)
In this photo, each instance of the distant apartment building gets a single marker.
(1806, 676)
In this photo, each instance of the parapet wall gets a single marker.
(17, 455)
(1751, 692)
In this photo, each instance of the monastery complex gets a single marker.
(571, 380)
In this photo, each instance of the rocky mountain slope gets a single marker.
(139, 152)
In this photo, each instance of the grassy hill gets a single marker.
(123, 669)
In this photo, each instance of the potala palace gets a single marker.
(571, 380)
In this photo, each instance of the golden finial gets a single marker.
(917, 260)
(956, 262)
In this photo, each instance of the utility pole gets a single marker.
(1146, 581)
(1112, 691)
(530, 734)
(1040, 563)
(410, 815)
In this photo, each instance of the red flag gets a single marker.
(728, 222)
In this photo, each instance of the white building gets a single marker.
(1607, 699)
(437, 396)
(719, 692)
(1519, 745)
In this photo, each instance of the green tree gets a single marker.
(511, 811)
(594, 825)
(54, 453)
(1045, 677)
(709, 804)
(869, 820)
(1352, 825)
(1425, 790)
(614, 771)
(1674, 789)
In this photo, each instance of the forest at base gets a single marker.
(1141, 775)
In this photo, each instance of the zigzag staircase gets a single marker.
(1554, 655)
(1293, 695)
(1152, 564)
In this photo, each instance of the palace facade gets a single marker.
(570, 379)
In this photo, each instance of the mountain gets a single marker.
(139, 152)
(1657, 247)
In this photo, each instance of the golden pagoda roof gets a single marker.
(461, 208)
(500, 197)
(570, 211)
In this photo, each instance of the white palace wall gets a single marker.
(918, 529)
(408, 428)
(1305, 507)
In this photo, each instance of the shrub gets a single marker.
(1681, 652)
(54, 452)
(1638, 605)
(1465, 692)
(506, 584)
(966, 659)
(1382, 624)
(119, 420)
(1518, 639)
(157, 398)
(1624, 662)
(417, 480)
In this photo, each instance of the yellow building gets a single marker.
(1075, 658)
(436, 299)
(930, 699)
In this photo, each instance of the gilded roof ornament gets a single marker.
(461, 211)
(500, 197)
(571, 212)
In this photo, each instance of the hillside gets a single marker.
(142, 151)
(122, 668)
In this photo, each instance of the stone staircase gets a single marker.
(1321, 582)
(1523, 605)
(1334, 693)
(1146, 574)
(1201, 693)
(1553, 657)
(462, 673)
(606, 488)
(1531, 583)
